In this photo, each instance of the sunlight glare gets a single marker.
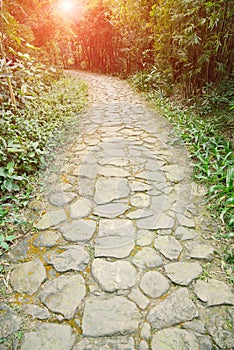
(67, 5)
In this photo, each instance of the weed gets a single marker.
(28, 137)
(212, 158)
(19, 334)
(4, 241)
(203, 128)
(206, 274)
(8, 178)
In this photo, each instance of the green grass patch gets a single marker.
(206, 128)
(201, 125)
(29, 135)
(212, 157)
(213, 162)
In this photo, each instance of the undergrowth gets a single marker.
(30, 131)
(206, 128)
(212, 158)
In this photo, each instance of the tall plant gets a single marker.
(194, 41)
(4, 69)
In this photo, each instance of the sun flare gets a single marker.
(67, 5)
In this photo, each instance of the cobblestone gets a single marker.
(120, 231)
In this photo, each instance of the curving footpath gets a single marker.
(123, 245)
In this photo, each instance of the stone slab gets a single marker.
(137, 186)
(113, 246)
(48, 336)
(121, 162)
(174, 339)
(10, 322)
(116, 238)
(219, 322)
(47, 239)
(199, 250)
(50, 219)
(78, 230)
(184, 233)
(175, 173)
(168, 246)
(74, 258)
(113, 171)
(147, 258)
(185, 221)
(64, 294)
(144, 237)
(35, 311)
(146, 330)
(154, 284)
(176, 308)
(183, 273)
(140, 200)
(59, 199)
(157, 176)
(27, 277)
(117, 343)
(80, 209)
(139, 298)
(110, 210)
(116, 316)
(143, 345)
(195, 325)
(88, 170)
(112, 276)
(139, 214)
(156, 222)
(106, 190)
(214, 292)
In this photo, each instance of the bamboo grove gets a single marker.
(186, 43)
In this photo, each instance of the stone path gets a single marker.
(118, 260)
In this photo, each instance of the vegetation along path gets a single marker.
(119, 259)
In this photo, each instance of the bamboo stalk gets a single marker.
(11, 91)
(2, 51)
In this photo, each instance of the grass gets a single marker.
(206, 129)
(212, 158)
(28, 139)
(213, 163)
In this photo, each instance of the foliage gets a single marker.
(29, 135)
(39, 28)
(194, 41)
(205, 123)
(37, 101)
(147, 81)
(212, 156)
(95, 44)
(132, 20)
(28, 78)
(186, 44)
(215, 103)
(4, 240)
(12, 224)
(183, 47)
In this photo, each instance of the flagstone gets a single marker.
(112, 276)
(115, 315)
(108, 189)
(183, 273)
(176, 308)
(214, 292)
(78, 230)
(28, 276)
(168, 246)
